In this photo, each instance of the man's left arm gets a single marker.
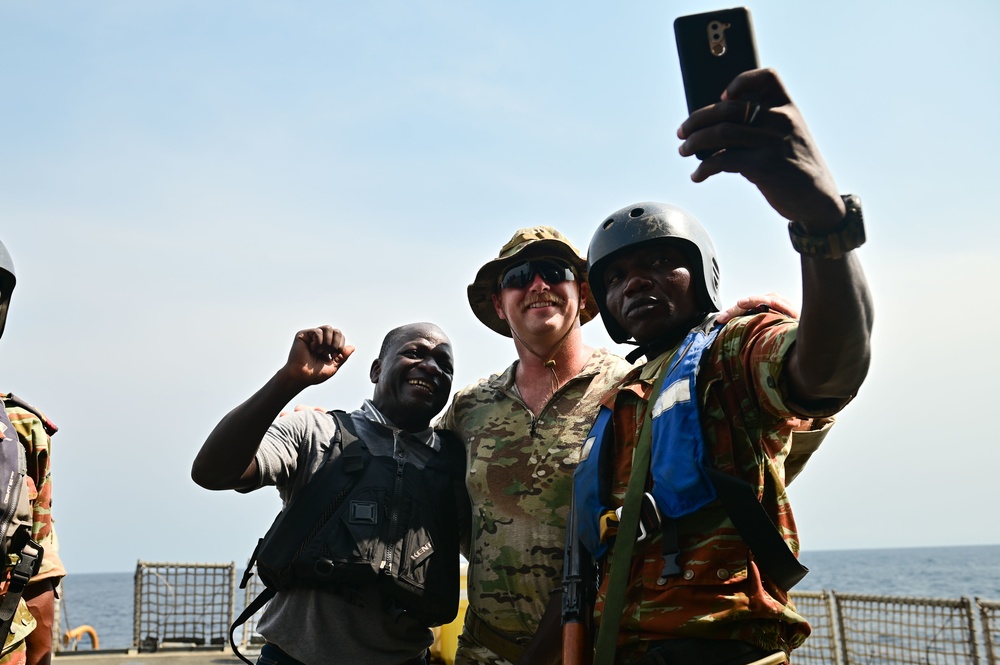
(776, 152)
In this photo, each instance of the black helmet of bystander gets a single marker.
(7, 281)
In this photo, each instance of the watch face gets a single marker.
(835, 244)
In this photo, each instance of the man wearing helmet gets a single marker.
(523, 428)
(709, 415)
(30, 637)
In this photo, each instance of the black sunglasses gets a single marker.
(520, 275)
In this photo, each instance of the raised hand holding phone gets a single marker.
(714, 48)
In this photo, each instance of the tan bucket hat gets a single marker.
(541, 241)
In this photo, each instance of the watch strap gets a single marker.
(850, 234)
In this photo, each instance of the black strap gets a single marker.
(346, 433)
(252, 608)
(248, 573)
(770, 550)
(688, 650)
(671, 549)
(29, 560)
(618, 576)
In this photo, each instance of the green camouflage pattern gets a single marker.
(469, 653)
(34, 430)
(747, 424)
(520, 478)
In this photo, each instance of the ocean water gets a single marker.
(935, 572)
(105, 600)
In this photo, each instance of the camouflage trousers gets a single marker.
(18, 656)
(471, 652)
(15, 648)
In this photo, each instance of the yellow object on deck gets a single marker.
(78, 632)
(446, 637)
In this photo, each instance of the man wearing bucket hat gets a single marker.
(523, 428)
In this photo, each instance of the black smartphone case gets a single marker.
(706, 74)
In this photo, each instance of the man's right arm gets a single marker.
(777, 153)
(227, 458)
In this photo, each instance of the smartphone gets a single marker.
(714, 48)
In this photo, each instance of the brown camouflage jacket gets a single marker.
(747, 423)
(35, 430)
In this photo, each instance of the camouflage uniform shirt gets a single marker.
(747, 421)
(34, 431)
(520, 478)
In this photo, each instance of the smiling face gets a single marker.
(651, 295)
(541, 308)
(412, 375)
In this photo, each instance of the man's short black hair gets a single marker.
(391, 339)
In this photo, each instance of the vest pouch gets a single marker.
(426, 583)
(293, 552)
(346, 549)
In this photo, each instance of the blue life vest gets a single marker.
(678, 460)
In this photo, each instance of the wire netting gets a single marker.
(989, 617)
(885, 630)
(193, 605)
(821, 646)
(179, 604)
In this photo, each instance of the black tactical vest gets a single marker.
(367, 519)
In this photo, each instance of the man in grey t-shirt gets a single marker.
(248, 449)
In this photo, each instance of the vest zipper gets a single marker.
(390, 543)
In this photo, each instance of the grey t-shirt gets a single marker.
(318, 627)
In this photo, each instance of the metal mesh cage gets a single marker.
(821, 647)
(183, 605)
(883, 630)
(989, 616)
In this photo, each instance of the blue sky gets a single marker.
(183, 185)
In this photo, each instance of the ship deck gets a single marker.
(167, 657)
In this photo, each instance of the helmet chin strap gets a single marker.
(638, 352)
(664, 341)
(635, 353)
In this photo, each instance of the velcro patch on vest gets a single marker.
(363, 512)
